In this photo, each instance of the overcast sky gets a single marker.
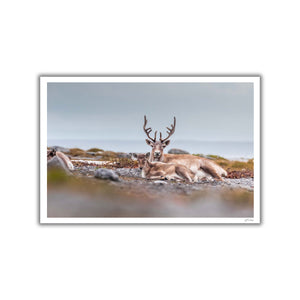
(204, 111)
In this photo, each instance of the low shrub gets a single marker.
(77, 152)
(95, 150)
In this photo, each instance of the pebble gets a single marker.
(160, 182)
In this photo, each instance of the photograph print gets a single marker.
(150, 149)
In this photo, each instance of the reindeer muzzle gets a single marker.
(157, 154)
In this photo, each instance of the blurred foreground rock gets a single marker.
(177, 151)
(107, 174)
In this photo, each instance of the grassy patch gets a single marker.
(109, 155)
(238, 165)
(235, 165)
(77, 152)
(200, 155)
(214, 157)
(57, 176)
(95, 150)
(230, 165)
(210, 156)
(57, 179)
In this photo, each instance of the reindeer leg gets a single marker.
(211, 170)
(183, 173)
(157, 175)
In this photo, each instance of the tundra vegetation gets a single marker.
(123, 162)
(95, 150)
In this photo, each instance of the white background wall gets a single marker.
(149, 262)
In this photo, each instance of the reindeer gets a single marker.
(63, 157)
(203, 166)
(140, 158)
(50, 154)
(159, 170)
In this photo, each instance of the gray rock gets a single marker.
(61, 149)
(57, 163)
(177, 151)
(106, 174)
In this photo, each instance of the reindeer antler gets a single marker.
(148, 130)
(170, 131)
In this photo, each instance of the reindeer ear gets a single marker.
(149, 142)
(147, 154)
(166, 143)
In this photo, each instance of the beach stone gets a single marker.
(61, 149)
(57, 163)
(177, 151)
(106, 174)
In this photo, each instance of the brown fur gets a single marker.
(141, 159)
(158, 170)
(63, 157)
(50, 154)
(194, 163)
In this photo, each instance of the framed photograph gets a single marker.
(150, 149)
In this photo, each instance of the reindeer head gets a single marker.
(50, 154)
(158, 146)
(140, 158)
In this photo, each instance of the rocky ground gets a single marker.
(115, 188)
(131, 177)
